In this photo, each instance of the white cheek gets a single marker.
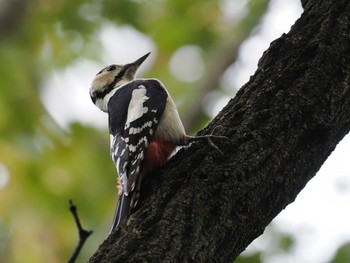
(102, 104)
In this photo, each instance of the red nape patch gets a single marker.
(157, 154)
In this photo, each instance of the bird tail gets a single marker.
(122, 211)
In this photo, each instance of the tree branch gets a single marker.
(12, 13)
(83, 234)
(284, 123)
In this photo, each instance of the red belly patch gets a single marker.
(157, 154)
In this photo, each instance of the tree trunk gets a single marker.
(208, 207)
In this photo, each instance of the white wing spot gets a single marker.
(133, 148)
(118, 163)
(133, 130)
(124, 166)
(136, 108)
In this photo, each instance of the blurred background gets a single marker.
(54, 143)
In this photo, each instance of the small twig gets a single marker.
(83, 234)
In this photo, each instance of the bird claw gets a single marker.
(209, 138)
(212, 144)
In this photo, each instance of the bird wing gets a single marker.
(134, 113)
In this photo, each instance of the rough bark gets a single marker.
(284, 123)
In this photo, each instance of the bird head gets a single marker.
(112, 77)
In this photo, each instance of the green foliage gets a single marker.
(343, 254)
(254, 258)
(48, 165)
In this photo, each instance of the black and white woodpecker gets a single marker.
(144, 127)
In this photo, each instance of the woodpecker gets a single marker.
(144, 127)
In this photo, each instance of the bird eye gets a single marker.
(111, 68)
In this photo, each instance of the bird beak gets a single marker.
(140, 60)
(132, 67)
